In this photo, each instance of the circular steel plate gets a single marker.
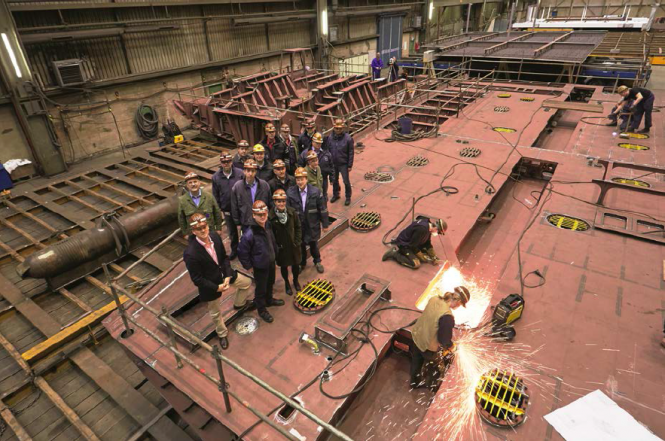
(568, 222)
(417, 161)
(502, 398)
(633, 182)
(629, 146)
(314, 296)
(469, 152)
(376, 176)
(247, 325)
(365, 221)
(504, 95)
(502, 109)
(527, 99)
(504, 130)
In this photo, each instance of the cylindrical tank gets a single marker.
(94, 243)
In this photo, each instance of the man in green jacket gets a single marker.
(195, 200)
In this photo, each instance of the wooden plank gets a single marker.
(571, 105)
(60, 338)
(73, 418)
(13, 424)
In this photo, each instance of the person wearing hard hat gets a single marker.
(643, 100)
(394, 69)
(222, 182)
(257, 252)
(433, 332)
(286, 149)
(269, 142)
(314, 176)
(281, 180)
(377, 65)
(210, 270)
(305, 138)
(308, 202)
(413, 244)
(265, 167)
(195, 200)
(241, 155)
(247, 191)
(325, 162)
(340, 146)
(288, 233)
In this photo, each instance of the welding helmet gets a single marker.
(258, 148)
(259, 207)
(301, 172)
(279, 195)
(441, 225)
(464, 294)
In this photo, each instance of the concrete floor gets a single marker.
(657, 79)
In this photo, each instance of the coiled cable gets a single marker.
(147, 121)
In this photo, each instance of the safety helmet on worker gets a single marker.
(301, 172)
(278, 164)
(463, 294)
(250, 164)
(191, 175)
(270, 128)
(440, 225)
(318, 138)
(198, 220)
(279, 195)
(311, 156)
(258, 148)
(243, 143)
(259, 207)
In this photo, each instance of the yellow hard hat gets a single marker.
(258, 148)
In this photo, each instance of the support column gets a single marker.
(322, 25)
(29, 106)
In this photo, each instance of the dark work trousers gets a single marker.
(430, 374)
(405, 257)
(344, 171)
(264, 279)
(232, 229)
(327, 177)
(313, 250)
(644, 107)
(285, 272)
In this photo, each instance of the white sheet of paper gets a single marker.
(596, 416)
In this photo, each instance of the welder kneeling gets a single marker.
(414, 243)
(433, 337)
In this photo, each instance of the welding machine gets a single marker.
(508, 310)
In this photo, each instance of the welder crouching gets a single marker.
(413, 245)
(433, 347)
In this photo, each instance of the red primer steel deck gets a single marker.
(599, 315)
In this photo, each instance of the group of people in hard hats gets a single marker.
(274, 203)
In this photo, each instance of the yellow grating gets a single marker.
(504, 95)
(504, 130)
(501, 398)
(315, 296)
(568, 223)
(636, 135)
(417, 161)
(627, 145)
(633, 182)
(365, 221)
(528, 99)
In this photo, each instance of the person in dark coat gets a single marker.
(414, 243)
(287, 149)
(242, 155)
(308, 202)
(257, 252)
(270, 141)
(265, 167)
(377, 65)
(247, 191)
(340, 146)
(325, 162)
(288, 233)
(305, 139)
(222, 182)
(210, 270)
(281, 180)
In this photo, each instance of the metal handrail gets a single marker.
(214, 351)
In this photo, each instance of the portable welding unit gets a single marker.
(508, 310)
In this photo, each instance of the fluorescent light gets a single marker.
(324, 22)
(431, 10)
(12, 56)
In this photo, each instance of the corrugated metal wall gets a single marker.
(144, 52)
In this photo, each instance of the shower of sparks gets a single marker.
(477, 354)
